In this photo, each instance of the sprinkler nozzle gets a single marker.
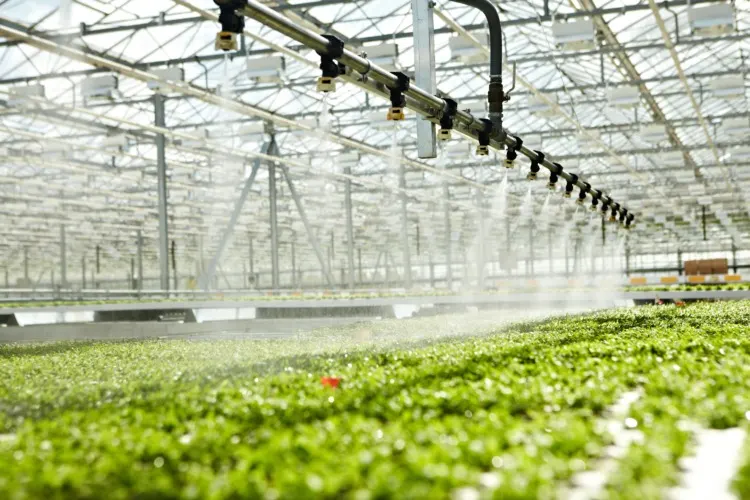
(395, 114)
(326, 84)
(531, 176)
(444, 134)
(226, 41)
(483, 150)
(552, 183)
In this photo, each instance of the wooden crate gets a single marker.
(691, 267)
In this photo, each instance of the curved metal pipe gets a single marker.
(495, 96)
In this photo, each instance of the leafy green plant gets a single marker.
(419, 411)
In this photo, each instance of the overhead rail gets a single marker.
(412, 97)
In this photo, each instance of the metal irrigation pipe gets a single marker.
(496, 95)
(421, 101)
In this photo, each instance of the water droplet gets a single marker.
(631, 423)
(159, 462)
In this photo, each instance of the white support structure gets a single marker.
(424, 71)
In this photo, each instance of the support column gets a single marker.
(131, 276)
(294, 265)
(734, 258)
(26, 280)
(98, 259)
(448, 241)
(349, 227)
(680, 268)
(252, 260)
(273, 218)
(63, 259)
(140, 261)
(627, 261)
(161, 170)
(359, 264)
(404, 227)
(83, 272)
(174, 265)
(424, 71)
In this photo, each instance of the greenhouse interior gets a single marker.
(418, 249)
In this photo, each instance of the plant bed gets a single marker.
(419, 408)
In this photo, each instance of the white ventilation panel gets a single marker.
(654, 133)
(25, 95)
(578, 34)
(624, 97)
(173, 74)
(266, 69)
(728, 87)
(714, 19)
(99, 87)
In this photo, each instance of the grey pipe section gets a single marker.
(496, 95)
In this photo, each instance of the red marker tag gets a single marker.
(332, 382)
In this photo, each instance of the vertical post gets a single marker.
(161, 170)
(448, 248)
(52, 277)
(703, 217)
(7, 278)
(63, 258)
(83, 272)
(251, 257)
(419, 252)
(26, 280)
(404, 227)
(679, 262)
(349, 226)
(131, 277)
(140, 261)
(627, 261)
(734, 257)
(174, 265)
(359, 264)
(424, 71)
(294, 265)
(98, 265)
(274, 225)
